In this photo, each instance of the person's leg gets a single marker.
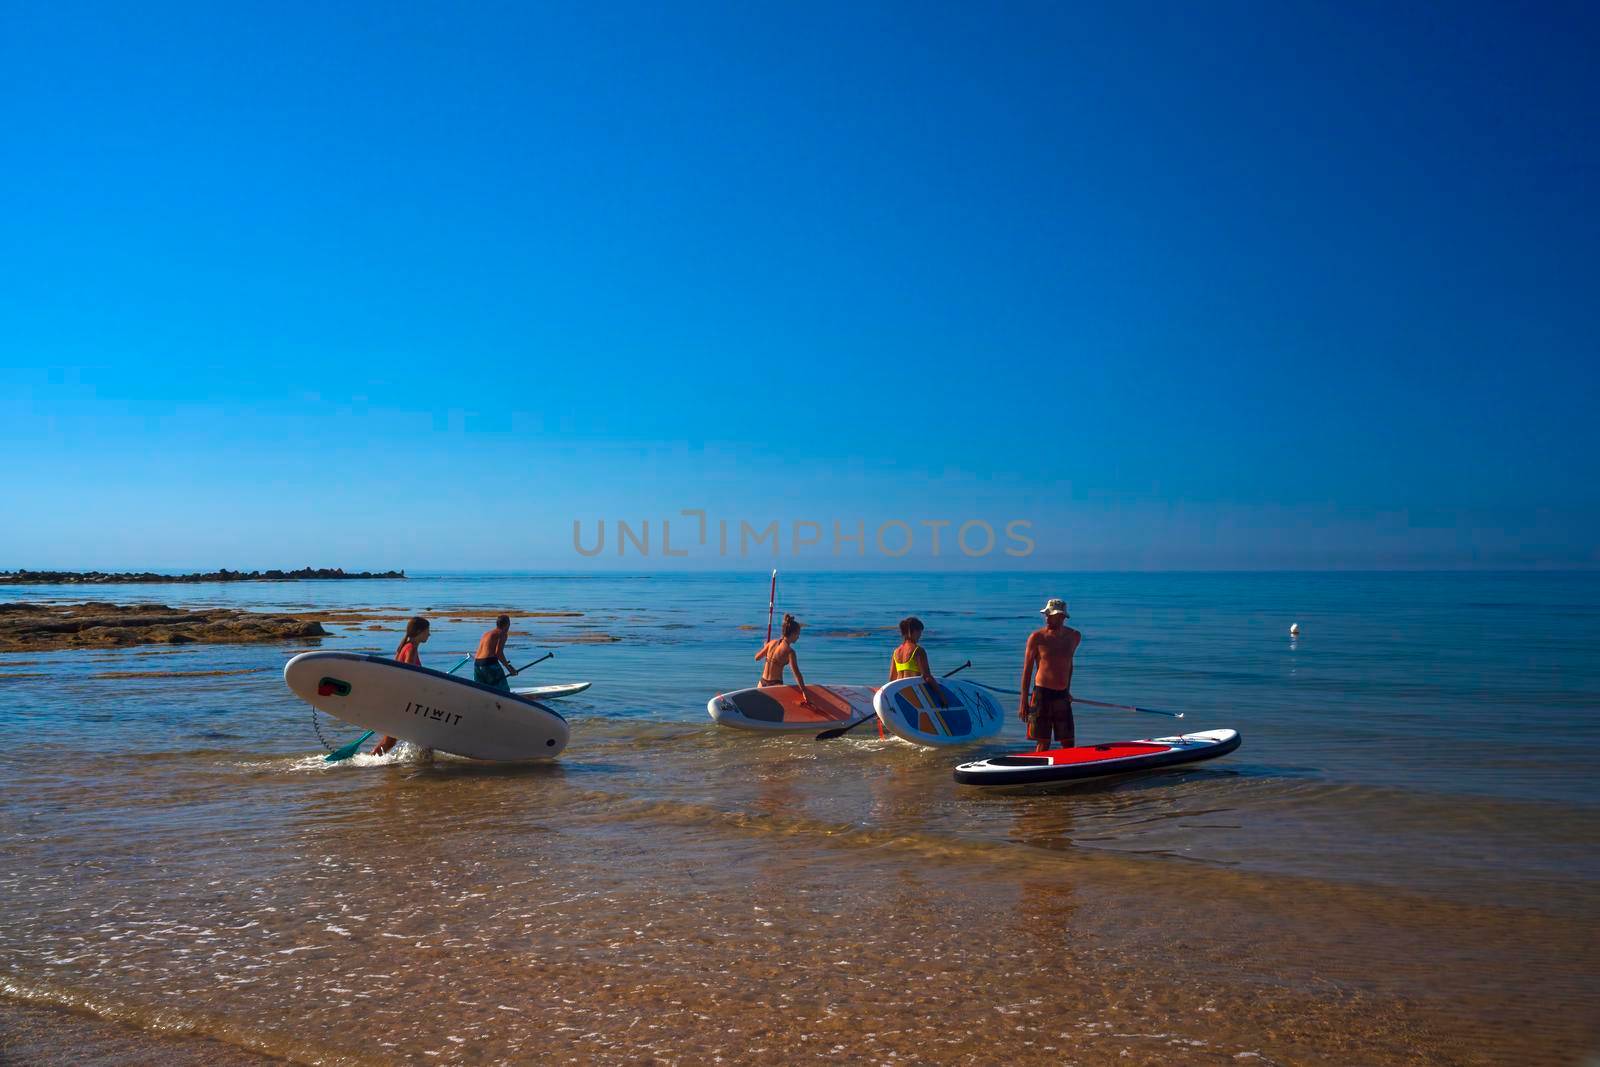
(1066, 730)
(1038, 722)
(498, 673)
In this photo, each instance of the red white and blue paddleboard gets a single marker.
(1096, 761)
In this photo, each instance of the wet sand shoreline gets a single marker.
(35, 1032)
(598, 926)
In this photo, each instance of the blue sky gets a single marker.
(1232, 285)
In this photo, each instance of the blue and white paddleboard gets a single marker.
(950, 712)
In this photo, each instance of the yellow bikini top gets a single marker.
(909, 665)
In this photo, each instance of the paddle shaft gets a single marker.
(840, 731)
(525, 666)
(772, 600)
(1129, 707)
(1099, 703)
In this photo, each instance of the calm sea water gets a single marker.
(1400, 862)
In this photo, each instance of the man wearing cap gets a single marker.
(1047, 667)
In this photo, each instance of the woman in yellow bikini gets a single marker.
(909, 660)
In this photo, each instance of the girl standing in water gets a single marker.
(909, 660)
(416, 634)
(780, 654)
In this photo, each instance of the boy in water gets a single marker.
(1047, 666)
(489, 663)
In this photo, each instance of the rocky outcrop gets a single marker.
(44, 627)
(304, 574)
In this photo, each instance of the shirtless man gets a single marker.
(489, 663)
(1050, 650)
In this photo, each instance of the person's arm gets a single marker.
(799, 679)
(500, 654)
(764, 648)
(1029, 659)
(927, 671)
(1072, 662)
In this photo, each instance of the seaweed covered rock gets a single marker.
(43, 627)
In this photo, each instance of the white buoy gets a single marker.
(1294, 629)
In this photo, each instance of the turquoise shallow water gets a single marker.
(1422, 741)
(1441, 711)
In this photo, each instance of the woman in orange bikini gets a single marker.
(416, 634)
(909, 660)
(780, 654)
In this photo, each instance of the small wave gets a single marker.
(168, 1022)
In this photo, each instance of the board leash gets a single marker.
(315, 725)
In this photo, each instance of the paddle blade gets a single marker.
(840, 731)
(348, 750)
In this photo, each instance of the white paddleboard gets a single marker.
(952, 712)
(550, 692)
(777, 708)
(426, 707)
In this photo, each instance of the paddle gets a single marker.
(1129, 707)
(772, 598)
(840, 731)
(525, 666)
(1098, 703)
(353, 747)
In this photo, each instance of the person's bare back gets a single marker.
(780, 654)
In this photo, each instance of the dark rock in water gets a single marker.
(41, 627)
(27, 577)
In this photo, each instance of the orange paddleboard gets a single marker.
(777, 708)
